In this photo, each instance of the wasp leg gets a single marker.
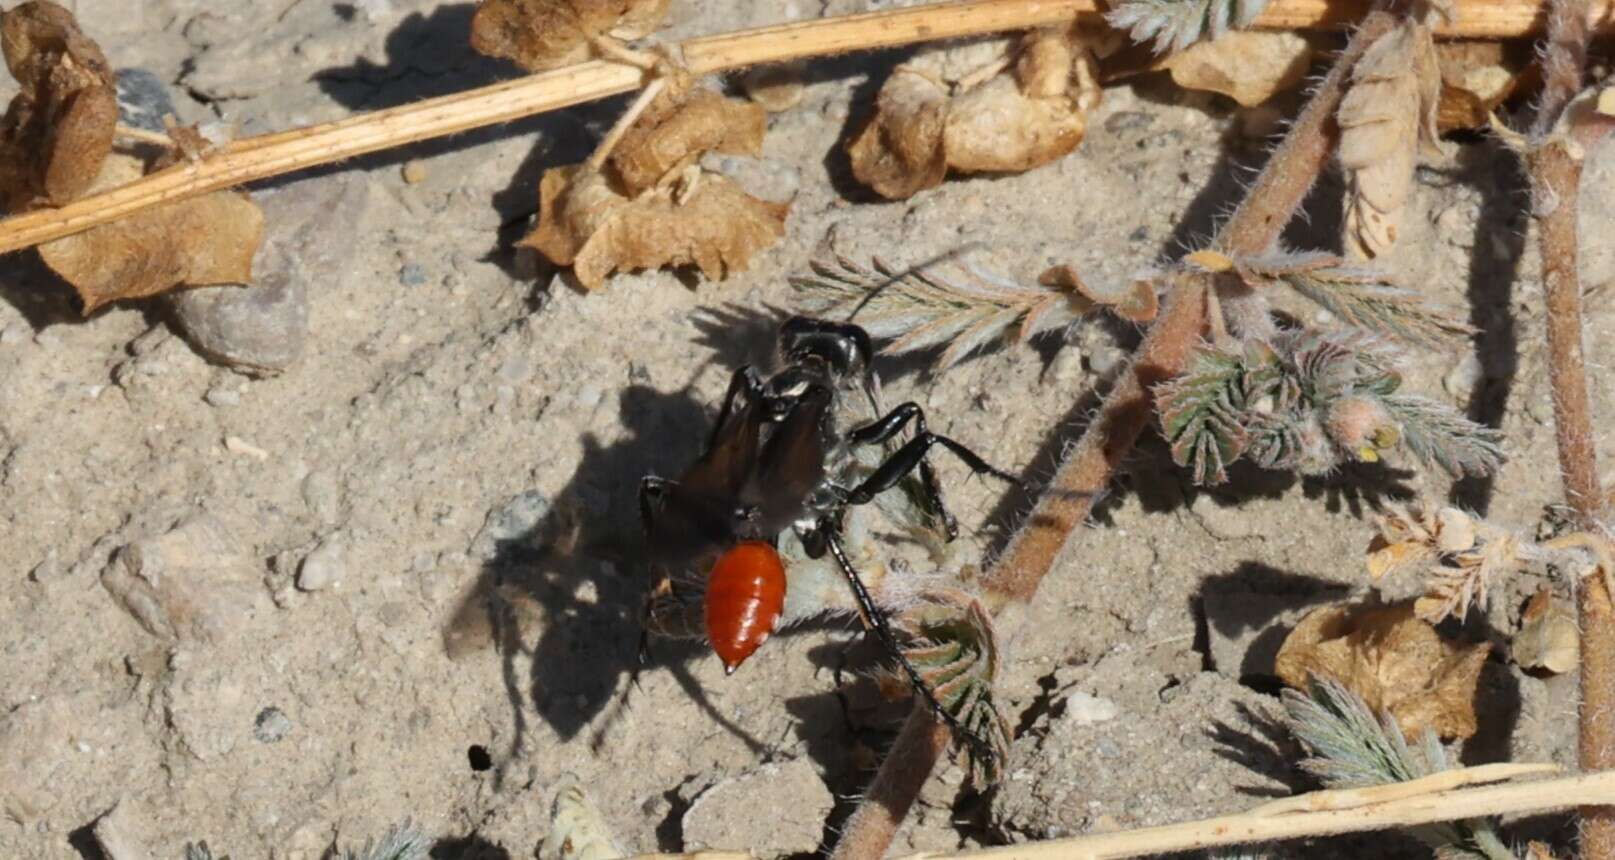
(912, 455)
(876, 620)
(884, 429)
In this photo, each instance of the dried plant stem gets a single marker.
(1247, 828)
(625, 122)
(1555, 163)
(1446, 780)
(1087, 471)
(1314, 815)
(284, 152)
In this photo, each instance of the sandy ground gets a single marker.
(457, 448)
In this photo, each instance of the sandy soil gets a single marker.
(459, 443)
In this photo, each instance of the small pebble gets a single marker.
(47, 569)
(222, 397)
(238, 445)
(271, 725)
(322, 495)
(1085, 709)
(516, 519)
(261, 328)
(1463, 376)
(412, 275)
(1103, 359)
(414, 172)
(324, 566)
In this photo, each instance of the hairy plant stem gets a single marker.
(1092, 462)
(1554, 159)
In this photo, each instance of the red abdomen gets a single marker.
(745, 596)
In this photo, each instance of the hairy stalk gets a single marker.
(1555, 162)
(1066, 503)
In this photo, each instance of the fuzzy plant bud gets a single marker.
(1362, 426)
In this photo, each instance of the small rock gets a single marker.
(48, 569)
(238, 445)
(324, 566)
(271, 725)
(1085, 709)
(222, 397)
(1127, 120)
(414, 172)
(1461, 379)
(412, 275)
(143, 100)
(323, 495)
(777, 87)
(259, 328)
(792, 793)
(13, 334)
(1104, 358)
(208, 703)
(119, 834)
(194, 582)
(515, 520)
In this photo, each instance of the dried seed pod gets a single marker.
(58, 129)
(547, 34)
(679, 129)
(1389, 109)
(1394, 660)
(1548, 638)
(1248, 67)
(1005, 113)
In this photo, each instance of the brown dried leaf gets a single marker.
(706, 220)
(547, 34)
(1476, 77)
(899, 151)
(1548, 638)
(1135, 302)
(1248, 66)
(1388, 111)
(1393, 660)
(58, 128)
(677, 130)
(197, 242)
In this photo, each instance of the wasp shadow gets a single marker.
(563, 597)
(1494, 264)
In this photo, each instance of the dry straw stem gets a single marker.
(1087, 471)
(1393, 807)
(284, 152)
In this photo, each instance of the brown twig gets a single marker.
(285, 152)
(1037, 546)
(1554, 156)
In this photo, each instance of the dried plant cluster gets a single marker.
(1000, 106)
(57, 144)
(651, 204)
(539, 35)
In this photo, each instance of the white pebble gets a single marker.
(324, 566)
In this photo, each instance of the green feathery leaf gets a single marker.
(1436, 433)
(1176, 24)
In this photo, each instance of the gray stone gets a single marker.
(323, 495)
(222, 397)
(271, 725)
(260, 328)
(143, 99)
(119, 833)
(794, 797)
(514, 520)
(194, 582)
(412, 275)
(1085, 709)
(325, 565)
